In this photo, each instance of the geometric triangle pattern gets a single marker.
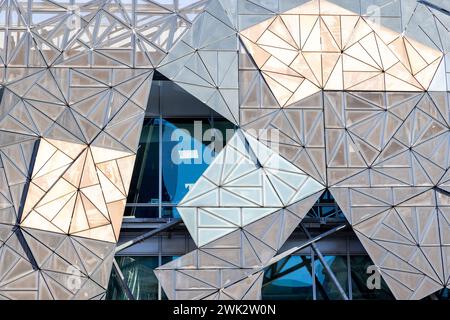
(68, 143)
(380, 149)
(406, 233)
(435, 34)
(297, 132)
(383, 139)
(239, 213)
(100, 33)
(325, 96)
(75, 81)
(389, 177)
(53, 266)
(323, 46)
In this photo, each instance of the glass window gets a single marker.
(289, 279)
(139, 276)
(325, 287)
(443, 294)
(359, 275)
(142, 211)
(170, 212)
(145, 179)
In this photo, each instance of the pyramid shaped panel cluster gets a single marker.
(343, 100)
(239, 214)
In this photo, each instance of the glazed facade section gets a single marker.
(357, 93)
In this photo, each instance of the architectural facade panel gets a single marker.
(328, 96)
(362, 109)
(76, 79)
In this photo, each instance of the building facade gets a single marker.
(225, 149)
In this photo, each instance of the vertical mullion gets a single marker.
(311, 252)
(159, 264)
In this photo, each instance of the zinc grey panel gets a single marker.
(42, 97)
(380, 8)
(205, 64)
(175, 245)
(236, 255)
(384, 154)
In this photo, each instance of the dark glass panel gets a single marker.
(145, 180)
(142, 212)
(326, 207)
(325, 287)
(443, 294)
(170, 212)
(139, 276)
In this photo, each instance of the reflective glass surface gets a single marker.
(443, 294)
(144, 184)
(139, 276)
(170, 212)
(183, 156)
(180, 139)
(326, 208)
(289, 279)
(326, 289)
(142, 212)
(360, 275)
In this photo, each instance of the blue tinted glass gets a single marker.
(182, 156)
(170, 212)
(443, 294)
(139, 276)
(189, 147)
(325, 208)
(288, 279)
